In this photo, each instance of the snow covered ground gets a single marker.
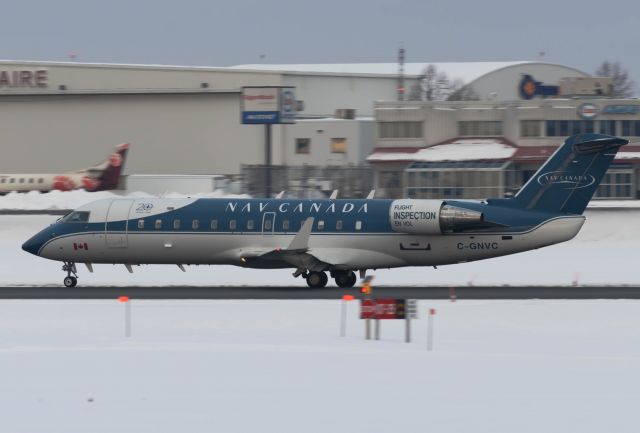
(280, 366)
(604, 252)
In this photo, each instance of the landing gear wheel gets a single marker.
(70, 268)
(346, 280)
(317, 280)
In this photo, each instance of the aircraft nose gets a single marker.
(33, 245)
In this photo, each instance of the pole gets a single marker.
(127, 319)
(367, 329)
(343, 320)
(267, 159)
(430, 329)
(407, 333)
(377, 329)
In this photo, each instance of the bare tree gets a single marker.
(622, 86)
(432, 85)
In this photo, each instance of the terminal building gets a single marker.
(60, 116)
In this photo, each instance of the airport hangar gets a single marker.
(60, 116)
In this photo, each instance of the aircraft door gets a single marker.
(268, 223)
(117, 225)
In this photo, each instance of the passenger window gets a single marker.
(321, 225)
(358, 225)
(214, 224)
(158, 224)
(339, 225)
(140, 224)
(176, 224)
(267, 225)
(250, 225)
(232, 224)
(285, 225)
(195, 224)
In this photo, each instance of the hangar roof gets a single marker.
(466, 71)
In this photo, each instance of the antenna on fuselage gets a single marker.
(334, 195)
(371, 194)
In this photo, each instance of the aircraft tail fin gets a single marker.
(110, 175)
(570, 177)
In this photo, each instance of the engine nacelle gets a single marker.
(428, 217)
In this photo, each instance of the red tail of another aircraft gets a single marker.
(110, 176)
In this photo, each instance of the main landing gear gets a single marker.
(317, 280)
(70, 268)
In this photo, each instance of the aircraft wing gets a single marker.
(299, 254)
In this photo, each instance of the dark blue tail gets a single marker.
(570, 177)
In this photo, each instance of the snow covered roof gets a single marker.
(466, 71)
(463, 149)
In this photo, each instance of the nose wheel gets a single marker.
(70, 280)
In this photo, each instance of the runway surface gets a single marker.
(243, 292)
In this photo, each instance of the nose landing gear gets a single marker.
(70, 268)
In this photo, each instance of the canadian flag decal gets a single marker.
(78, 246)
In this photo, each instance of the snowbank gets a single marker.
(280, 366)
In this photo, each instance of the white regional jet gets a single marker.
(99, 177)
(314, 237)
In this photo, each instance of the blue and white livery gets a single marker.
(339, 237)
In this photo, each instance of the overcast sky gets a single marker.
(221, 33)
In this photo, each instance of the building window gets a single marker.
(176, 224)
(140, 224)
(195, 224)
(22, 180)
(630, 128)
(214, 224)
(338, 145)
(250, 224)
(530, 128)
(607, 127)
(12, 180)
(400, 129)
(617, 183)
(232, 224)
(285, 224)
(564, 128)
(479, 128)
(3, 180)
(158, 224)
(303, 145)
(30, 180)
(41, 180)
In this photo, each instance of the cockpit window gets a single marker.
(76, 217)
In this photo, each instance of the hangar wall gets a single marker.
(181, 133)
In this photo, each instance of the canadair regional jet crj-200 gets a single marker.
(314, 237)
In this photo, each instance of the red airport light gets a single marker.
(348, 298)
(432, 311)
(123, 299)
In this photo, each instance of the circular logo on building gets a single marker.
(588, 111)
(527, 87)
